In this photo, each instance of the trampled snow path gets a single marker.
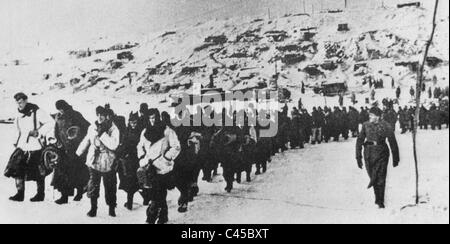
(320, 184)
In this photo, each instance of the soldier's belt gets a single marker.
(373, 143)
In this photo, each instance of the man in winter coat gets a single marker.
(158, 147)
(70, 129)
(435, 118)
(402, 120)
(143, 119)
(353, 121)
(423, 118)
(412, 92)
(390, 116)
(411, 115)
(317, 126)
(398, 92)
(344, 123)
(336, 121)
(308, 123)
(376, 152)
(101, 143)
(294, 134)
(328, 117)
(128, 159)
(32, 125)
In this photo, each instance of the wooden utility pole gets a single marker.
(418, 94)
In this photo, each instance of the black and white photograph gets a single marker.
(224, 112)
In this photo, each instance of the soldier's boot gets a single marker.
(249, 178)
(20, 195)
(258, 169)
(64, 199)
(152, 213)
(264, 167)
(183, 208)
(229, 186)
(145, 196)
(112, 211)
(163, 217)
(79, 196)
(378, 197)
(93, 212)
(238, 177)
(129, 204)
(40, 195)
(190, 194)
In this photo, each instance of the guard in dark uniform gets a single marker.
(376, 152)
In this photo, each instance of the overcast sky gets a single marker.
(61, 22)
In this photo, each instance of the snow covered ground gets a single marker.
(320, 184)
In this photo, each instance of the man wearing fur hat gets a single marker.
(32, 125)
(128, 160)
(158, 148)
(101, 143)
(376, 152)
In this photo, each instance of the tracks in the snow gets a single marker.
(298, 204)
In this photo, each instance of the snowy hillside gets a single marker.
(305, 47)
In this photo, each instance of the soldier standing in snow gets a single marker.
(32, 124)
(101, 142)
(341, 99)
(376, 152)
(353, 121)
(294, 135)
(372, 95)
(412, 92)
(398, 92)
(318, 123)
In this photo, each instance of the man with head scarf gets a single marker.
(71, 173)
(157, 149)
(376, 152)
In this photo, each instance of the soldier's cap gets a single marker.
(376, 111)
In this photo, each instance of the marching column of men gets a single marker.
(151, 156)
